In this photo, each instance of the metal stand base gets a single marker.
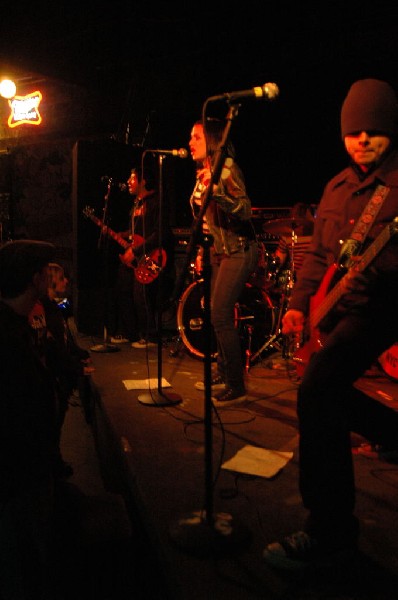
(104, 348)
(157, 398)
(194, 535)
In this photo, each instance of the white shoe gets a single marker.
(217, 383)
(143, 344)
(119, 339)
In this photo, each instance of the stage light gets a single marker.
(7, 88)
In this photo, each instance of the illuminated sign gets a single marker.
(25, 109)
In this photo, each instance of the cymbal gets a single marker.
(299, 225)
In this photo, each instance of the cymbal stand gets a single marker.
(105, 347)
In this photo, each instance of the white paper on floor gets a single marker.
(145, 384)
(258, 461)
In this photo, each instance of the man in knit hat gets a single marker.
(348, 334)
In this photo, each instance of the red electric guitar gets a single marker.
(146, 268)
(324, 300)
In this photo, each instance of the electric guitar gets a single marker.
(147, 267)
(323, 301)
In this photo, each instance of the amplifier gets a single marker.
(182, 236)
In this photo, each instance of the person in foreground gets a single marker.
(66, 360)
(233, 255)
(28, 428)
(359, 327)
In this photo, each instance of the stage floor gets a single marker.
(170, 454)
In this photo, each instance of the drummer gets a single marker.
(295, 237)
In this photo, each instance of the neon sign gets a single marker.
(25, 109)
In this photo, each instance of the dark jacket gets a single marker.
(28, 408)
(229, 212)
(341, 205)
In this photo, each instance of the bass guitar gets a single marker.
(325, 299)
(147, 267)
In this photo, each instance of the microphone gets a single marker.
(181, 152)
(268, 91)
(109, 181)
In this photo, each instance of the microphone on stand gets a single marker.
(268, 91)
(181, 152)
(109, 180)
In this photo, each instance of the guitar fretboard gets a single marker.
(339, 289)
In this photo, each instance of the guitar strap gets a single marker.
(352, 246)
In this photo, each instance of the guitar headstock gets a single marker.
(88, 211)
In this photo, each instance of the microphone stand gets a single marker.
(160, 397)
(105, 347)
(202, 532)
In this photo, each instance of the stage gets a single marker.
(165, 450)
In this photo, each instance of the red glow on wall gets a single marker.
(25, 109)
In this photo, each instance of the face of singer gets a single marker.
(133, 183)
(366, 147)
(197, 143)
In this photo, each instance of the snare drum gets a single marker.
(254, 310)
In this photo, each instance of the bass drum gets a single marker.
(254, 316)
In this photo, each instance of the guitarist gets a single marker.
(364, 324)
(135, 303)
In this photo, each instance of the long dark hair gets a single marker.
(213, 130)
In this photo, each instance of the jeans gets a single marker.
(228, 278)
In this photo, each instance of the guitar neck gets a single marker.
(336, 293)
(115, 236)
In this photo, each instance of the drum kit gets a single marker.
(263, 302)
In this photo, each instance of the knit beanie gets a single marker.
(370, 105)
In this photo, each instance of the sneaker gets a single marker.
(217, 383)
(376, 451)
(300, 551)
(228, 396)
(119, 339)
(143, 344)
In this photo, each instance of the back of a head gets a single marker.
(370, 105)
(19, 261)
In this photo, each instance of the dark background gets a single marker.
(153, 66)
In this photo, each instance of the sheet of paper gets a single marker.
(145, 384)
(258, 461)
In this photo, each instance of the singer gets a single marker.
(233, 255)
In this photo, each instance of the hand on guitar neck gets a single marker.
(146, 268)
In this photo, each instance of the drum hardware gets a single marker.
(248, 351)
(300, 225)
(276, 340)
(265, 274)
